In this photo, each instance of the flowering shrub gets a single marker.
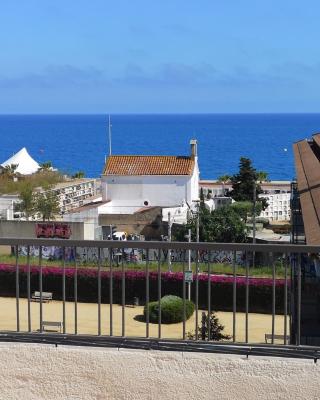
(260, 289)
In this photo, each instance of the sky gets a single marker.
(170, 56)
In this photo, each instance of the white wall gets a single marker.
(278, 207)
(7, 206)
(157, 190)
(45, 372)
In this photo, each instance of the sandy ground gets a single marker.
(45, 372)
(259, 324)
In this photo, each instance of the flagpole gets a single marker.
(109, 136)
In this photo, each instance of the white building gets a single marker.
(278, 207)
(130, 183)
(76, 193)
(7, 206)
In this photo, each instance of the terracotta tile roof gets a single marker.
(308, 178)
(149, 165)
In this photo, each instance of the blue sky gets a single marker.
(152, 57)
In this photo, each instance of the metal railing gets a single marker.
(111, 265)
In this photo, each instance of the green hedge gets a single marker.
(260, 289)
(171, 310)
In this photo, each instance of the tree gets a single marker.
(245, 209)
(10, 171)
(211, 325)
(78, 175)
(262, 176)
(47, 205)
(223, 225)
(224, 179)
(27, 204)
(46, 166)
(244, 183)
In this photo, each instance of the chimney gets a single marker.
(194, 150)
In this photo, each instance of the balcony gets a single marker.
(99, 289)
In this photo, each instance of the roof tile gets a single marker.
(149, 165)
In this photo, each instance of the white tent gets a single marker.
(26, 164)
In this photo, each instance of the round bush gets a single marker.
(171, 310)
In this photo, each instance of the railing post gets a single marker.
(64, 291)
(285, 298)
(299, 301)
(234, 298)
(99, 291)
(111, 294)
(197, 295)
(123, 293)
(17, 289)
(184, 297)
(209, 295)
(273, 299)
(40, 287)
(29, 288)
(75, 292)
(203, 325)
(147, 293)
(159, 295)
(247, 299)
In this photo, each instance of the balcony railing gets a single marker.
(99, 288)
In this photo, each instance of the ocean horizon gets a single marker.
(74, 142)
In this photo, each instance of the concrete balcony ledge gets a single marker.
(30, 371)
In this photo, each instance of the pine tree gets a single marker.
(211, 325)
(245, 182)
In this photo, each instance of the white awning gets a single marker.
(26, 164)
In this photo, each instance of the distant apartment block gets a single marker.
(77, 193)
(277, 194)
(278, 207)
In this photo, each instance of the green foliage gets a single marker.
(47, 204)
(245, 209)
(78, 175)
(224, 178)
(223, 225)
(46, 166)
(244, 183)
(27, 204)
(262, 176)
(9, 171)
(211, 325)
(42, 178)
(171, 310)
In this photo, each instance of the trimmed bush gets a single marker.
(171, 310)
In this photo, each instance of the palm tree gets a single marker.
(224, 179)
(46, 166)
(262, 176)
(10, 171)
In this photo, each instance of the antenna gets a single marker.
(110, 135)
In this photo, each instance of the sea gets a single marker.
(80, 142)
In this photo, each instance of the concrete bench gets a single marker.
(52, 324)
(268, 336)
(46, 296)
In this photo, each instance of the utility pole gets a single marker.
(169, 240)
